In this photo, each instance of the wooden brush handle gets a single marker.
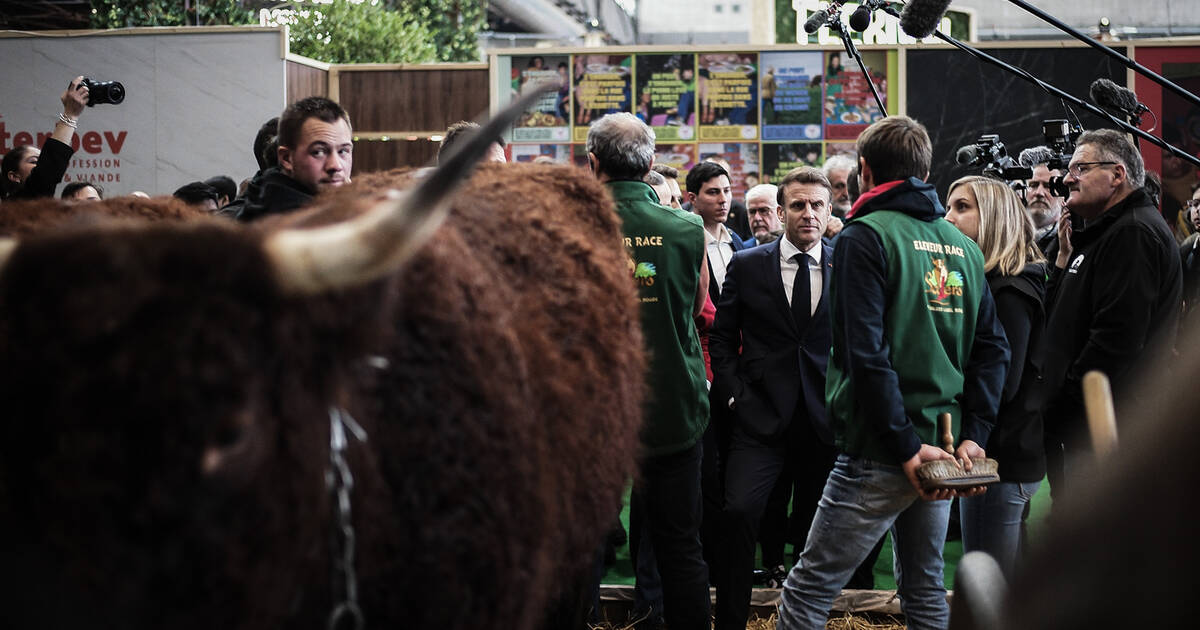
(1102, 420)
(944, 422)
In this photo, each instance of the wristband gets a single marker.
(70, 122)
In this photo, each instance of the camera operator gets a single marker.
(1043, 207)
(29, 172)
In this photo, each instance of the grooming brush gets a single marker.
(947, 474)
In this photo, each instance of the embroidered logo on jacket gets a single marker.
(941, 284)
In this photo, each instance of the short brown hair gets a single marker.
(292, 119)
(804, 175)
(896, 147)
(458, 131)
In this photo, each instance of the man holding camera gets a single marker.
(316, 153)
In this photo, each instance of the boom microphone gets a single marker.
(818, 19)
(861, 18)
(970, 155)
(1116, 100)
(920, 18)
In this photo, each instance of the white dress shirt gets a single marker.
(720, 251)
(788, 269)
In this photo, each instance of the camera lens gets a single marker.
(104, 92)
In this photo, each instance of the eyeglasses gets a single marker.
(1191, 204)
(1076, 170)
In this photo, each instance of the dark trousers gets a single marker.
(752, 470)
(670, 485)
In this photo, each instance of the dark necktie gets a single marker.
(801, 298)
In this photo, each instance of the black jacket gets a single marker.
(52, 165)
(1115, 303)
(761, 358)
(272, 192)
(1017, 441)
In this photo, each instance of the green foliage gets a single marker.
(366, 32)
(455, 25)
(130, 13)
(785, 22)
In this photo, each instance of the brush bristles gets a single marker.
(945, 473)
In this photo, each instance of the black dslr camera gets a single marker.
(103, 92)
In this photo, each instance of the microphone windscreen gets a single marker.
(861, 18)
(920, 18)
(816, 21)
(1109, 95)
(1033, 156)
(967, 154)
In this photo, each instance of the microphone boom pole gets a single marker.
(1126, 61)
(835, 23)
(982, 56)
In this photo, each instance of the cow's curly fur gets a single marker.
(502, 424)
(25, 218)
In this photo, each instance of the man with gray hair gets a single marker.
(1115, 291)
(762, 208)
(837, 170)
(668, 265)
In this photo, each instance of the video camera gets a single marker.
(990, 152)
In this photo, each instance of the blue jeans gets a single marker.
(991, 522)
(861, 501)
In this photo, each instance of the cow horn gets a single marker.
(379, 241)
(7, 246)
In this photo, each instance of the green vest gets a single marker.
(666, 246)
(935, 281)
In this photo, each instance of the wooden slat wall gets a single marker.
(374, 155)
(304, 81)
(412, 99)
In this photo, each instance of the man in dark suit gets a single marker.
(769, 347)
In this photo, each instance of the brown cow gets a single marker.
(167, 387)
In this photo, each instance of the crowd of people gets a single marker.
(806, 360)
(858, 309)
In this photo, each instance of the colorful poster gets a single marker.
(778, 159)
(791, 95)
(602, 86)
(666, 95)
(681, 157)
(742, 158)
(548, 120)
(849, 105)
(552, 153)
(727, 92)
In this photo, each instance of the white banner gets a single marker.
(193, 102)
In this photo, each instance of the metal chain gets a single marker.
(340, 482)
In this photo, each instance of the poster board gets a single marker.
(195, 99)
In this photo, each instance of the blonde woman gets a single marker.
(989, 213)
